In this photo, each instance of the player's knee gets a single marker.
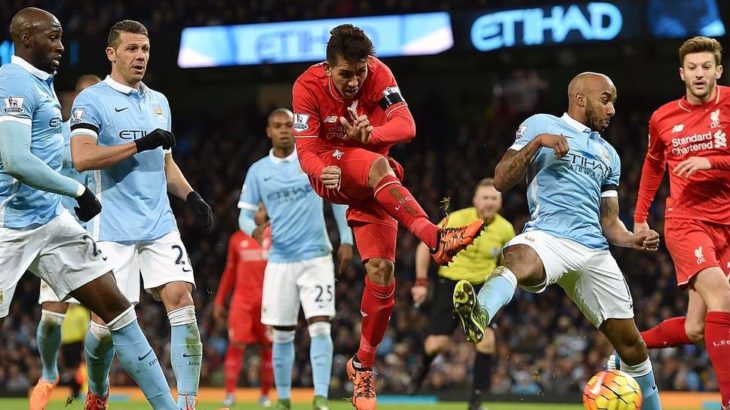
(380, 271)
(319, 329)
(283, 336)
(379, 169)
(695, 331)
(176, 295)
(487, 344)
(525, 264)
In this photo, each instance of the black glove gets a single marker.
(201, 210)
(88, 207)
(156, 138)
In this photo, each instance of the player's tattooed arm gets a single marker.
(513, 165)
(615, 231)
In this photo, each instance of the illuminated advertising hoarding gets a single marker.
(300, 41)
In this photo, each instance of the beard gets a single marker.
(593, 122)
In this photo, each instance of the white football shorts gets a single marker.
(310, 283)
(590, 277)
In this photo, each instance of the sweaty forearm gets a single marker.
(617, 234)
(513, 166)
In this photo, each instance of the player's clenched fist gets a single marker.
(359, 129)
(557, 143)
(88, 207)
(646, 240)
(156, 138)
(331, 177)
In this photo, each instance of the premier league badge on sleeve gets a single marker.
(301, 122)
(13, 105)
(76, 116)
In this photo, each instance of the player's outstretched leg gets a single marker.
(400, 204)
(476, 311)
(48, 336)
(186, 353)
(320, 355)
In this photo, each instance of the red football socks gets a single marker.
(232, 366)
(267, 371)
(669, 333)
(376, 306)
(399, 203)
(717, 341)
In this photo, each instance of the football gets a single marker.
(612, 390)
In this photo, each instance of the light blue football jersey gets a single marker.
(27, 97)
(298, 229)
(133, 193)
(67, 169)
(564, 195)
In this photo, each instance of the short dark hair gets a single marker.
(124, 26)
(349, 42)
(701, 44)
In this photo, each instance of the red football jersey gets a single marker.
(679, 130)
(244, 271)
(318, 106)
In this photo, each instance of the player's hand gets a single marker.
(258, 233)
(419, 293)
(641, 227)
(88, 207)
(157, 138)
(219, 313)
(344, 256)
(645, 241)
(359, 129)
(201, 210)
(331, 177)
(557, 143)
(691, 165)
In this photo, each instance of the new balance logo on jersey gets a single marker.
(699, 255)
(678, 128)
(13, 105)
(720, 139)
(715, 118)
(330, 119)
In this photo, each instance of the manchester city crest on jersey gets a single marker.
(159, 113)
(13, 105)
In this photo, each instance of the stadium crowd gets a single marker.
(544, 343)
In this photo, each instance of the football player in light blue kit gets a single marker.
(300, 268)
(53, 311)
(36, 232)
(573, 177)
(120, 129)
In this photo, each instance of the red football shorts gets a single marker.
(244, 325)
(696, 245)
(375, 231)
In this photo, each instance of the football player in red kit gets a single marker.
(348, 112)
(244, 276)
(689, 136)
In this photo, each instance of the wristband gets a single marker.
(421, 282)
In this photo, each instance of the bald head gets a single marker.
(591, 98)
(29, 21)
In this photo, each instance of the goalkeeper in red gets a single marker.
(348, 112)
(688, 136)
